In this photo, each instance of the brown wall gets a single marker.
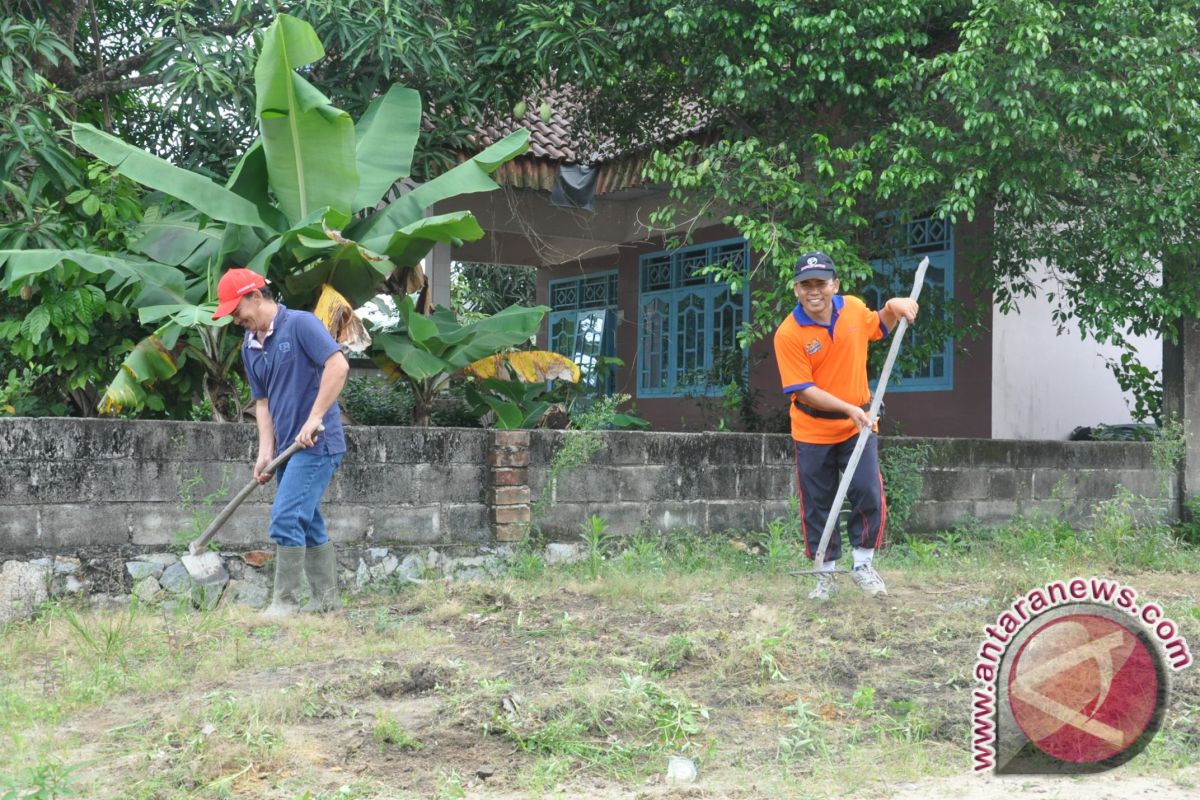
(963, 411)
(966, 410)
(664, 413)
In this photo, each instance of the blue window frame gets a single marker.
(913, 241)
(582, 326)
(687, 322)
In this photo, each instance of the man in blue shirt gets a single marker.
(296, 372)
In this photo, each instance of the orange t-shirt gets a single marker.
(833, 358)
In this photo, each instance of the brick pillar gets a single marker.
(508, 491)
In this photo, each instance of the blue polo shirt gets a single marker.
(286, 369)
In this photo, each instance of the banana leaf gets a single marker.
(209, 198)
(454, 345)
(142, 275)
(473, 175)
(516, 405)
(311, 227)
(149, 361)
(414, 362)
(387, 136)
(251, 180)
(185, 315)
(176, 238)
(439, 344)
(460, 344)
(308, 143)
(340, 320)
(407, 246)
(352, 269)
(529, 366)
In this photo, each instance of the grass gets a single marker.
(388, 733)
(568, 681)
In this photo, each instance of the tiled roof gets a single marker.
(552, 144)
(550, 139)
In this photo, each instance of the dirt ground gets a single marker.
(529, 688)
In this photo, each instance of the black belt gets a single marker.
(819, 414)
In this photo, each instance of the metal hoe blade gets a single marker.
(205, 568)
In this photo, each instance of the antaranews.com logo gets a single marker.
(1073, 679)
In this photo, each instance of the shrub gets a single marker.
(903, 483)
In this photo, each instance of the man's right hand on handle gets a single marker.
(861, 418)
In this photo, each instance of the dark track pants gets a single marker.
(819, 468)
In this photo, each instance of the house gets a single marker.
(615, 290)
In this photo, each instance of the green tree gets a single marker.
(1070, 124)
(478, 290)
(177, 78)
(302, 206)
(72, 326)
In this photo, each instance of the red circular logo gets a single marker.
(1083, 688)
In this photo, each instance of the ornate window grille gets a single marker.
(911, 242)
(582, 326)
(688, 322)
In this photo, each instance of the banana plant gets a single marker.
(429, 351)
(527, 366)
(515, 404)
(304, 207)
(512, 386)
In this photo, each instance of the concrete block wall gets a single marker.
(91, 483)
(665, 481)
(84, 484)
(734, 481)
(994, 480)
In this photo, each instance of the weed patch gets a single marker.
(571, 681)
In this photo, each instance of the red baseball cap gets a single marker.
(233, 286)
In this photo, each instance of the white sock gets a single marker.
(828, 566)
(863, 556)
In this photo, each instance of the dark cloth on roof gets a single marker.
(575, 187)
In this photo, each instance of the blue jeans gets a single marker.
(296, 515)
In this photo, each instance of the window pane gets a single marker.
(700, 320)
(562, 334)
(655, 344)
(580, 327)
(656, 273)
(564, 296)
(690, 264)
(893, 278)
(690, 346)
(589, 345)
(595, 292)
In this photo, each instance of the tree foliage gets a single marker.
(1071, 125)
(71, 327)
(1067, 126)
(176, 78)
(478, 289)
(428, 352)
(304, 205)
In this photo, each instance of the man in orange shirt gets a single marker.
(821, 350)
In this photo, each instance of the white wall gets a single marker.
(1044, 384)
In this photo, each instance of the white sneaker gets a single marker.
(826, 586)
(867, 579)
